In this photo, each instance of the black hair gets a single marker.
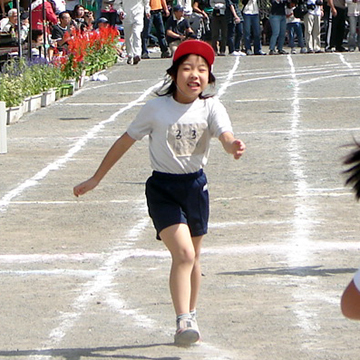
(35, 33)
(61, 15)
(169, 85)
(76, 8)
(353, 173)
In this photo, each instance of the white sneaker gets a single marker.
(293, 50)
(187, 332)
(237, 53)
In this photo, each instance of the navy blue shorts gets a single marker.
(175, 199)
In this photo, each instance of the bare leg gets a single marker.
(185, 275)
(196, 273)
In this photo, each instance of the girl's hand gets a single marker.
(238, 148)
(85, 186)
(231, 145)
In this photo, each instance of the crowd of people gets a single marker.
(231, 27)
(52, 35)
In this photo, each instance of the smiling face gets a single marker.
(192, 79)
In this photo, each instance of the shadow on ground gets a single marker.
(84, 353)
(293, 271)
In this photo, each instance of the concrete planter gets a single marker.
(71, 82)
(13, 114)
(48, 97)
(26, 105)
(35, 102)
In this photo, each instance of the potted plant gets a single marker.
(11, 93)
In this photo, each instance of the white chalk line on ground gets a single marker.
(60, 162)
(302, 247)
(285, 76)
(229, 250)
(300, 250)
(99, 104)
(329, 98)
(336, 192)
(229, 78)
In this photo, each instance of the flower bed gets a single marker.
(21, 79)
(88, 51)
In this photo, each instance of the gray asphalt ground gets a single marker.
(86, 279)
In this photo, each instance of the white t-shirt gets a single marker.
(251, 8)
(291, 19)
(179, 134)
(316, 11)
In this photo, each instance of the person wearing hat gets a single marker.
(102, 22)
(180, 123)
(177, 28)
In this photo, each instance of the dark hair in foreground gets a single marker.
(169, 85)
(353, 159)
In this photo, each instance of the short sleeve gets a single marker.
(219, 120)
(141, 126)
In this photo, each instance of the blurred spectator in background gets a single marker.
(252, 30)
(102, 23)
(61, 31)
(9, 24)
(336, 29)
(157, 7)
(37, 19)
(25, 25)
(353, 13)
(132, 15)
(218, 26)
(89, 20)
(235, 22)
(37, 44)
(108, 11)
(78, 16)
(177, 28)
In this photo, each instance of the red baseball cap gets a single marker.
(196, 47)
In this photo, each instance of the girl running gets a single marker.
(180, 123)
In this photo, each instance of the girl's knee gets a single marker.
(185, 256)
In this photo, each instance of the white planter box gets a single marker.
(13, 114)
(35, 103)
(26, 105)
(48, 97)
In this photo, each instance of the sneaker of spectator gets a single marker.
(237, 53)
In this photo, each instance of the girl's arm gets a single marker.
(231, 145)
(120, 147)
